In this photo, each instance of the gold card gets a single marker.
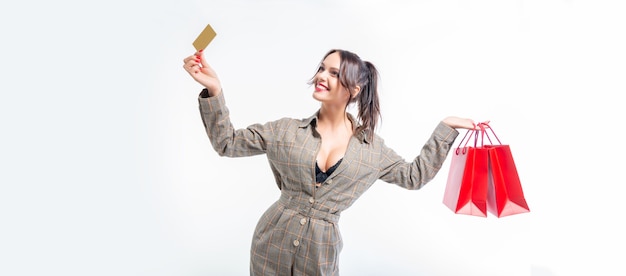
(204, 38)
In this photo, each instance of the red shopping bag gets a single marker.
(466, 188)
(505, 196)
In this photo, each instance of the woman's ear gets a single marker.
(356, 91)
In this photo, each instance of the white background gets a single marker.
(106, 169)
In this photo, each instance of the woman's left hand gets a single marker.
(457, 122)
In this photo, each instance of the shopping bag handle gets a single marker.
(479, 128)
(469, 131)
(483, 126)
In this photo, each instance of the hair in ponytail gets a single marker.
(355, 72)
(369, 107)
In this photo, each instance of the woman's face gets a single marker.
(328, 88)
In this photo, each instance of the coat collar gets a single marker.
(312, 121)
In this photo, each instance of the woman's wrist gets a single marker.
(210, 92)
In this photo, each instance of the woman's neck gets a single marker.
(334, 118)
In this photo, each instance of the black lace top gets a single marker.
(321, 176)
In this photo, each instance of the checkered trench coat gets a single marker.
(298, 234)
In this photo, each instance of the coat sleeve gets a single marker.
(226, 140)
(413, 175)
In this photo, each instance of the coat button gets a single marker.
(302, 221)
(311, 200)
(296, 242)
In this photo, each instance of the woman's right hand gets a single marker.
(199, 70)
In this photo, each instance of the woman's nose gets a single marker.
(321, 75)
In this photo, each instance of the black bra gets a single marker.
(321, 176)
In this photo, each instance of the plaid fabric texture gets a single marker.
(299, 234)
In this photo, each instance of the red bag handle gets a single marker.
(485, 125)
(473, 132)
(482, 129)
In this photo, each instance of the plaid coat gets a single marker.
(298, 234)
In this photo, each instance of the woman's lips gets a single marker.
(320, 87)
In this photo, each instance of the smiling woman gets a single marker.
(322, 164)
(106, 171)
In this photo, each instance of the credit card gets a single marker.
(205, 37)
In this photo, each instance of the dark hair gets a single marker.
(355, 72)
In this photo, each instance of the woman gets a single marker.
(321, 164)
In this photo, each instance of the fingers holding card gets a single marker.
(205, 37)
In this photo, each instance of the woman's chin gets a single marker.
(319, 95)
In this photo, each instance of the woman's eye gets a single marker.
(334, 73)
(320, 69)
